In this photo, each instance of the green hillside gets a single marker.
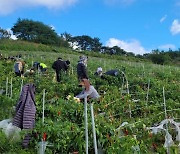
(141, 107)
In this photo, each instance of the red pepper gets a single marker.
(154, 145)
(59, 113)
(126, 132)
(44, 136)
(150, 135)
(122, 97)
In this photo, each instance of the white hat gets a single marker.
(99, 69)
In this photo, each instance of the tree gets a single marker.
(35, 31)
(119, 51)
(66, 36)
(85, 42)
(96, 44)
(4, 34)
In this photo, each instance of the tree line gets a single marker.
(38, 32)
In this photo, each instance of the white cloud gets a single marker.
(163, 18)
(129, 46)
(175, 27)
(121, 2)
(9, 6)
(167, 46)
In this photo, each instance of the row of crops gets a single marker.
(128, 107)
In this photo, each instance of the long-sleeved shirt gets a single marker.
(81, 71)
(92, 93)
(43, 65)
(60, 65)
(112, 72)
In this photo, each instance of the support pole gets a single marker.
(21, 84)
(6, 86)
(93, 128)
(122, 86)
(42, 149)
(43, 105)
(147, 96)
(72, 70)
(165, 111)
(11, 89)
(127, 84)
(86, 123)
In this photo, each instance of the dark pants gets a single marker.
(58, 75)
(18, 73)
(43, 69)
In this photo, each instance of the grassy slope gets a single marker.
(115, 105)
(12, 45)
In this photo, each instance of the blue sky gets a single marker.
(134, 25)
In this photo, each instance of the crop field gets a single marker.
(128, 107)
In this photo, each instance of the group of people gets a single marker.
(60, 66)
(19, 68)
(89, 91)
(28, 91)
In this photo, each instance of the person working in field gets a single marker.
(91, 94)
(82, 68)
(36, 65)
(43, 67)
(68, 65)
(89, 91)
(19, 67)
(59, 65)
(100, 73)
